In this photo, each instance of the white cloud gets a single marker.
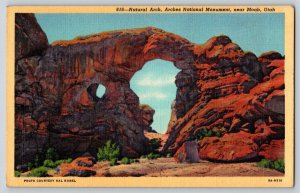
(150, 80)
(153, 95)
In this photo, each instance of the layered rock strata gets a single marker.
(220, 87)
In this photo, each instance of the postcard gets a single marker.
(150, 96)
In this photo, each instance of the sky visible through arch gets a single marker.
(155, 86)
(258, 33)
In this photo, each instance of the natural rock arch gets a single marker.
(70, 70)
(114, 57)
(55, 103)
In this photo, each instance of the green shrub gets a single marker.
(49, 163)
(58, 162)
(279, 165)
(155, 143)
(209, 133)
(204, 133)
(108, 152)
(17, 173)
(51, 154)
(40, 157)
(153, 156)
(39, 172)
(113, 162)
(125, 160)
(265, 163)
(168, 155)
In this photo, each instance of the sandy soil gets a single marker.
(164, 167)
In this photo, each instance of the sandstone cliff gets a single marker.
(220, 87)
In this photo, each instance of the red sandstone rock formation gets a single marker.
(219, 87)
(146, 117)
(30, 38)
(30, 43)
(230, 105)
(173, 118)
(231, 147)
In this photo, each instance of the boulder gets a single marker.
(22, 168)
(88, 161)
(80, 167)
(273, 151)
(76, 171)
(188, 152)
(229, 148)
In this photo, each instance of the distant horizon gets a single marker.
(257, 33)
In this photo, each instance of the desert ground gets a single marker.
(167, 167)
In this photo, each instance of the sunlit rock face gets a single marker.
(240, 105)
(56, 86)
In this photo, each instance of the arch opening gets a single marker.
(96, 91)
(155, 86)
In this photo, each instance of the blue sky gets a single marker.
(154, 84)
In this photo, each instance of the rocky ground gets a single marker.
(167, 167)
